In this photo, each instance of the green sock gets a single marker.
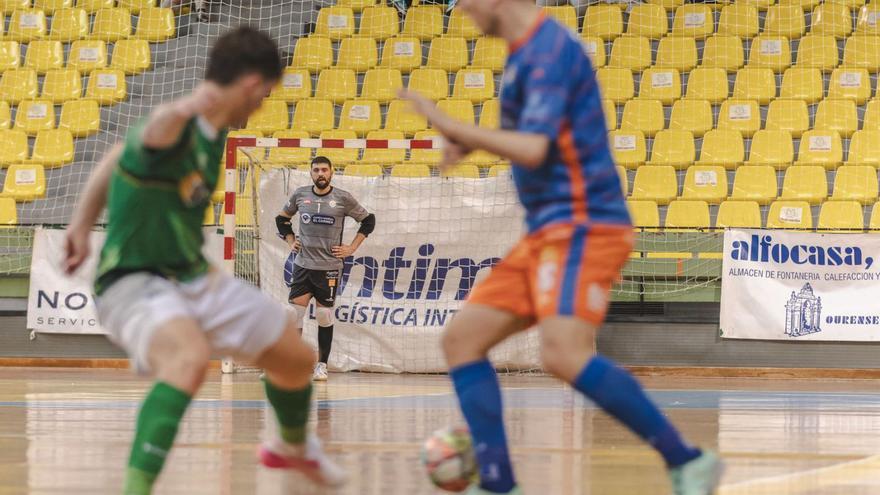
(292, 409)
(157, 424)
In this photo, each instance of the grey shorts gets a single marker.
(238, 319)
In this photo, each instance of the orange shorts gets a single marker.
(564, 270)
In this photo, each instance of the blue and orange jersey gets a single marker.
(549, 88)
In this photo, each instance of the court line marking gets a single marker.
(810, 479)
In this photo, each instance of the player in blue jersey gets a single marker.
(579, 237)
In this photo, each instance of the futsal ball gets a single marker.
(449, 459)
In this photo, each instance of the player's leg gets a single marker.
(324, 283)
(300, 295)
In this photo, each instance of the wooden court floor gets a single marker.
(66, 431)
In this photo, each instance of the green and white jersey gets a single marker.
(156, 206)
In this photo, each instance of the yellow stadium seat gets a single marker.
(740, 115)
(92, 6)
(804, 5)
(856, 183)
(449, 54)
(819, 52)
(335, 22)
(677, 53)
(722, 147)
(499, 170)
(476, 85)
(69, 25)
(837, 115)
(295, 85)
(655, 184)
(313, 116)
(411, 170)
(381, 85)
(18, 84)
(5, 116)
(820, 148)
(53, 148)
(867, 22)
(669, 5)
(790, 215)
(631, 52)
(27, 25)
(687, 214)
(13, 146)
(131, 56)
(862, 52)
(356, 5)
(643, 115)
(336, 85)
(773, 148)
(314, 53)
(674, 148)
(616, 84)
(50, 7)
(270, 117)
(10, 55)
(773, 52)
(87, 55)
(106, 86)
(462, 110)
(864, 149)
(431, 83)
(463, 171)
(788, 115)
(383, 156)
(850, 83)
(490, 114)
(707, 83)
(135, 6)
(872, 115)
(832, 19)
(644, 214)
(595, 49)
(25, 182)
(111, 25)
(564, 14)
(803, 84)
(80, 117)
(210, 215)
(364, 170)
(379, 22)
(755, 183)
(805, 183)
(705, 183)
(400, 118)
(693, 21)
(491, 53)
(43, 56)
(875, 217)
(691, 115)
(841, 215)
(604, 21)
(339, 157)
(610, 111)
(647, 20)
(289, 156)
(755, 83)
(624, 180)
(628, 148)
(423, 22)
(357, 54)
(461, 26)
(10, 6)
(724, 52)
(404, 54)
(663, 85)
(739, 19)
(738, 215)
(361, 116)
(785, 20)
(426, 156)
(155, 25)
(61, 85)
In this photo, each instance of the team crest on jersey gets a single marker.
(306, 218)
(193, 190)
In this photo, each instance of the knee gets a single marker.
(186, 367)
(563, 358)
(324, 316)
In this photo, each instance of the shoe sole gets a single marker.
(309, 469)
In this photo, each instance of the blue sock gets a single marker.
(614, 390)
(480, 397)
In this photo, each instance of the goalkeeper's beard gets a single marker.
(322, 183)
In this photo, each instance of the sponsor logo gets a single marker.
(323, 220)
(803, 313)
(762, 249)
(305, 218)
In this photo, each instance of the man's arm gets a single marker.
(368, 224)
(166, 124)
(284, 224)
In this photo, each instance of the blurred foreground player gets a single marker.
(579, 237)
(158, 296)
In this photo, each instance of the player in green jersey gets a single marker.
(158, 296)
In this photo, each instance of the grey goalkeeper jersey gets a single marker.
(321, 224)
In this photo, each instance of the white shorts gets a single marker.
(237, 318)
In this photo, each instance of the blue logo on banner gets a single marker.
(803, 312)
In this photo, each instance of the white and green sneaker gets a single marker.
(697, 477)
(476, 490)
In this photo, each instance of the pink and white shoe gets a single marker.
(309, 459)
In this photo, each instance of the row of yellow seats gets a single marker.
(382, 85)
(51, 6)
(762, 5)
(729, 53)
(725, 148)
(361, 116)
(690, 214)
(106, 86)
(154, 24)
(129, 56)
(80, 117)
(52, 147)
(743, 20)
(381, 22)
(315, 53)
(754, 183)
